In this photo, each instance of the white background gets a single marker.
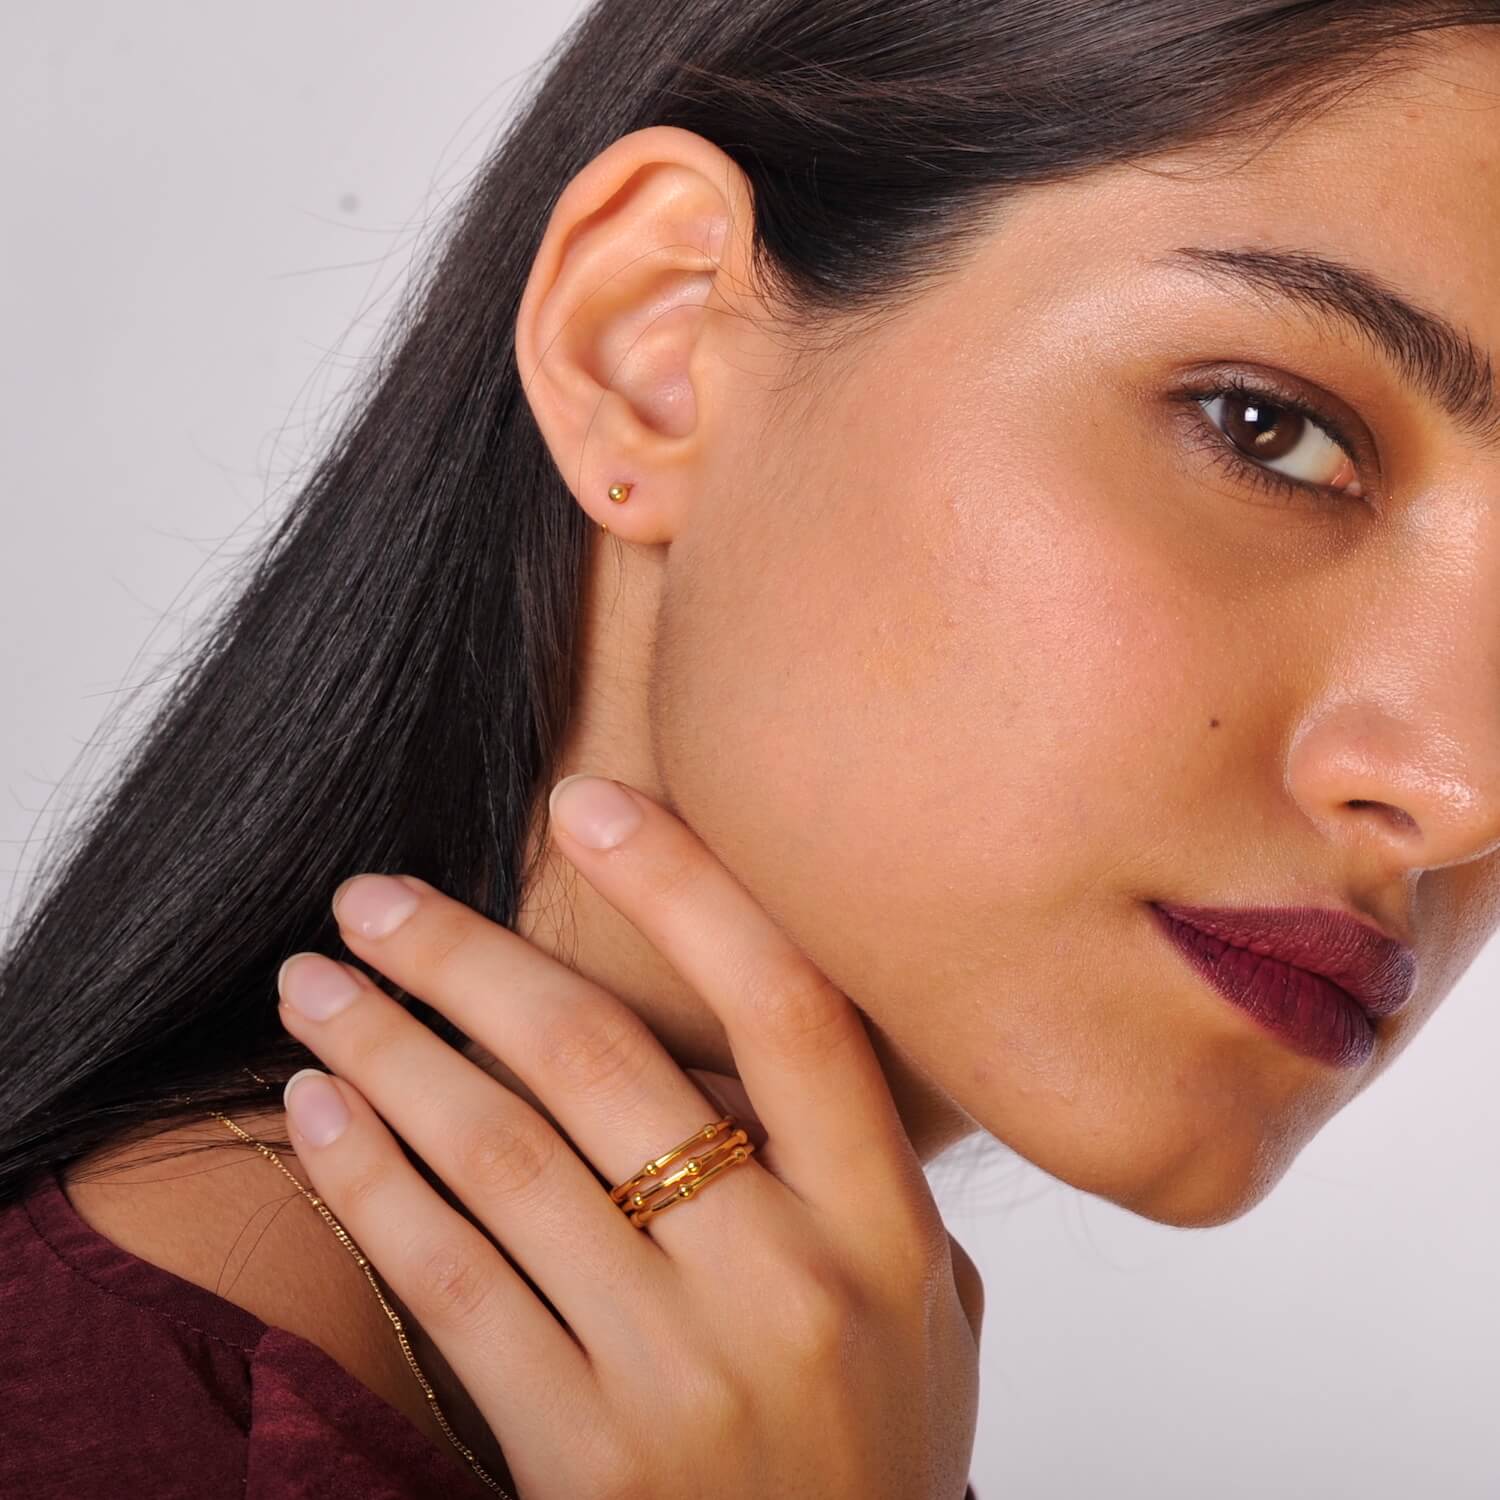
(206, 211)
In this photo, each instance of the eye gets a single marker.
(1275, 442)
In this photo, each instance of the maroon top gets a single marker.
(121, 1379)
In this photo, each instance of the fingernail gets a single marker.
(316, 986)
(373, 905)
(594, 810)
(315, 1107)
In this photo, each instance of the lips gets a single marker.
(1376, 972)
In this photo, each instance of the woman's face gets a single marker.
(976, 643)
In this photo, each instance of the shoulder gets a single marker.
(111, 1385)
(230, 1225)
(144, 1351)
(227, 1221)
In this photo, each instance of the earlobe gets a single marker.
(619, 493)
(618, 331)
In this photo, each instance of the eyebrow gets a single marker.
(1429, 353)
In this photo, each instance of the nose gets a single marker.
(1397, 755)
(1414, 782)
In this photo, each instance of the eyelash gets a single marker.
(1217, 446)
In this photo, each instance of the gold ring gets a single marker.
(648, 1193)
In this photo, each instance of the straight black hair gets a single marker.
(388, 686)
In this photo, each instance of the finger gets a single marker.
(799, 1044)
(508, 1166)
(728, 1093)
(482, 1316)
(617, 1093)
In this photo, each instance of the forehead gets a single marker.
(1399, 180)
(1401, 177)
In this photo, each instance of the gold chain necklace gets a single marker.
(390, 1312)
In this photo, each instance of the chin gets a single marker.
(1167, 1169)
(1217, 1193)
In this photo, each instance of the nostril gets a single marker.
(1398, 815)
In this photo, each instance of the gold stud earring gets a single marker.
(619, 493)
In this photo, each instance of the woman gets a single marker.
(1048, 604)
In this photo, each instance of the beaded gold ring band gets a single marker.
(648, 1193)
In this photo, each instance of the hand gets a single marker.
(804, 1326)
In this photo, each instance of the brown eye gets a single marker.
(1284, 440)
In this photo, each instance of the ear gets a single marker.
(622, 342)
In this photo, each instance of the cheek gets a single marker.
(949, 725)
(919, 709)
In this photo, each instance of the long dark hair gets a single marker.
(388, 687)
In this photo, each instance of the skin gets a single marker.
(974, 653)
(955, 648)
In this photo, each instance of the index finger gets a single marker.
(799, 1044)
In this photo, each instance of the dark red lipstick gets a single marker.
(1315, 977)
